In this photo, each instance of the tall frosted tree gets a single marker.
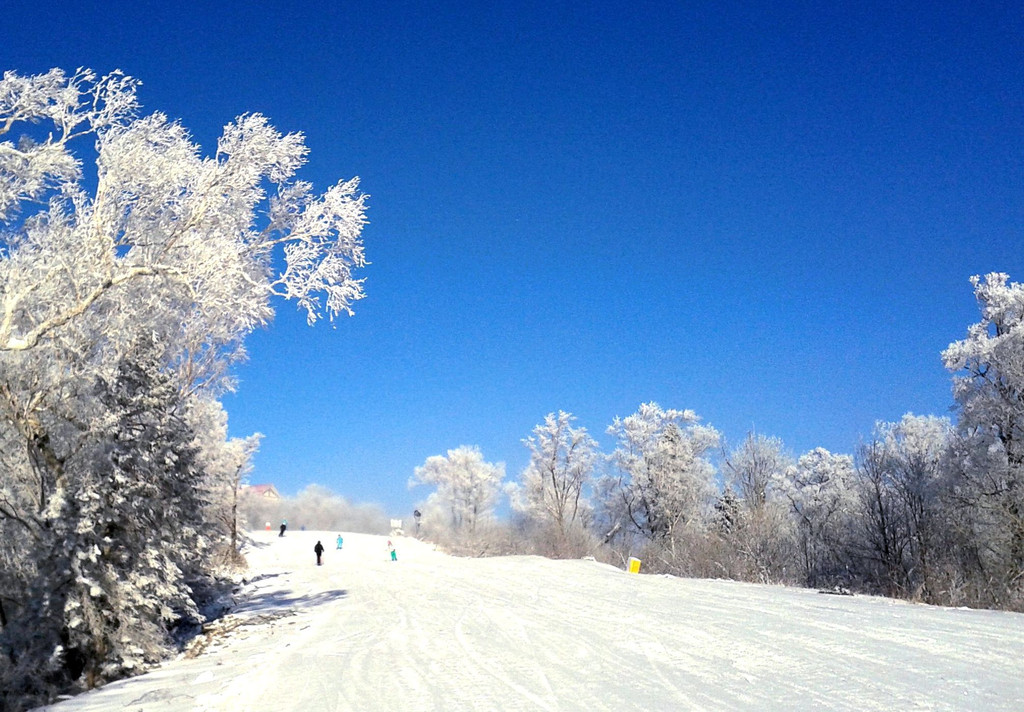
(901, 472)
(821, 494)
(468, 486)
(154, 241)
(762, 534)
(551, 491)
(139, 533)
(666, 477)
(226, 463)
(989, 453)
(164, 228)
(753, 468)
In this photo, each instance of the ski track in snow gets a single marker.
(434, 632)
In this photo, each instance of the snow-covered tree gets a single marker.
(665, 476)
(989, 392)
(883, 528)
(762, 534)
(226, 464)
(900, 471)
(562, 461)
(161, 246)
(727, 512)
(754, 467)
(138, 538)
(467, 486)
(820, 490)
(111, 544)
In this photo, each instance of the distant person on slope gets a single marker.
(284, 525)
(340, 541)
(391, 548)
(319, 549)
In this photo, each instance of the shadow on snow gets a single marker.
(268, 601)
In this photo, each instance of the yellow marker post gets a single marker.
(634, 565)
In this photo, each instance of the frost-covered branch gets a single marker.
(162, 210)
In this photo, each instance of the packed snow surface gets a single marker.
(436, 632)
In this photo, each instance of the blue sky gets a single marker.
(766, 214)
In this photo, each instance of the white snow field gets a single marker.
(435, 632)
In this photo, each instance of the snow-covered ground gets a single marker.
(434, 632)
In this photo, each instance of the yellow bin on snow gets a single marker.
(634, 565)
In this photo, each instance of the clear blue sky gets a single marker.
(766, 215)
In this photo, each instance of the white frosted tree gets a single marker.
(762, 534)
(901, 471)
(161, 244)
(753, 468)
(666, 477)
(820, 490)
(551, 492)
(110, 561)
(226, 464)
(989, 390)
(138, 539)
(468, 487)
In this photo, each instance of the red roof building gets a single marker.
(265, 491)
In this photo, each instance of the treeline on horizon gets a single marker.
(924, 509)
(315, 507)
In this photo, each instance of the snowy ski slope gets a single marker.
(434, 632)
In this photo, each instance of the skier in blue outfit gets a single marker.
(340, 541)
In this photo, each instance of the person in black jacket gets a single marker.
(319, 549)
